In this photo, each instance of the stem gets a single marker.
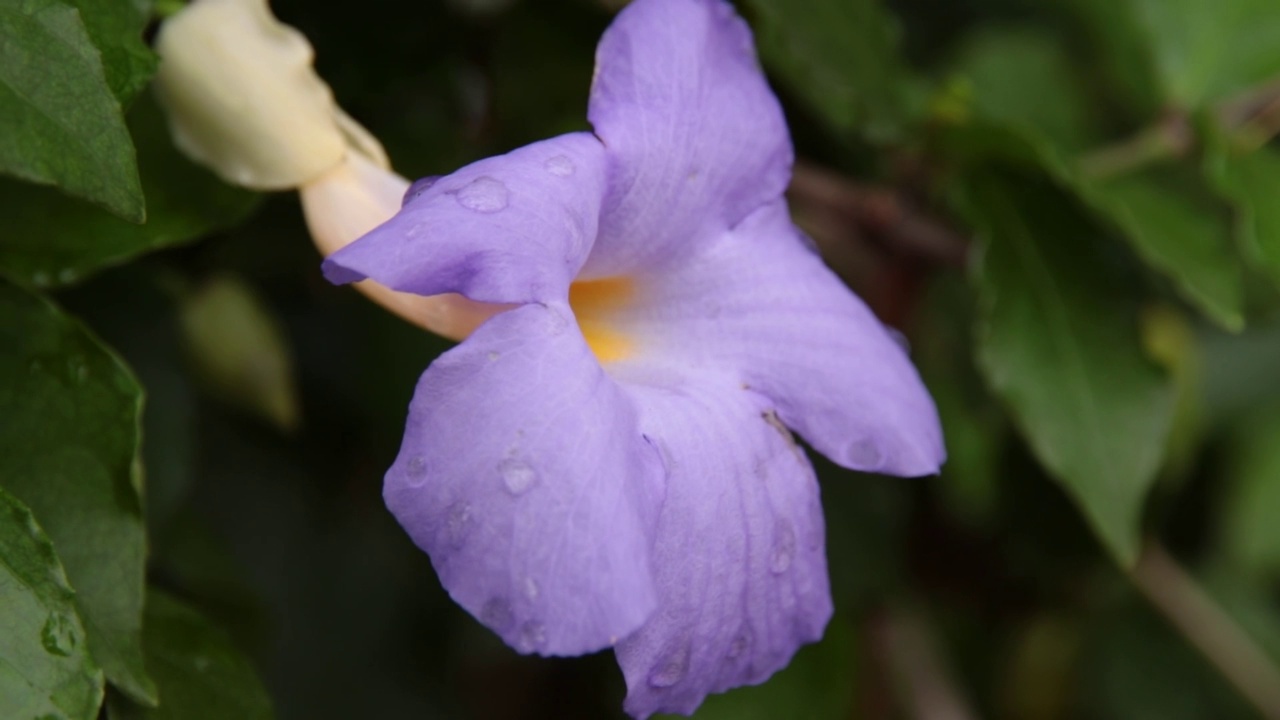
(1190, 609)
(926, 689)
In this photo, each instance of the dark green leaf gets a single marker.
(116, 29)
(1058, 343)
(45, 668)
(1251, 534)
(817, 685)
(1024, 77)
(54, 240)
(839, 56)
(1181, 230)
(1252, 182)
(69, 413)
(1207, 49)
(200, 673)
(1118, 54)
(59, 123)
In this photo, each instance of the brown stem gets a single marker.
(880, 214)
(925, 687)
(1190, 609)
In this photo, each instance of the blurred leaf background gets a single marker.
(1071, 209)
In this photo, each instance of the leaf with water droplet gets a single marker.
(69, 451)
(45, 668)
(201, 674)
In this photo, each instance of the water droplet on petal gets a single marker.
(531, 589)
(417, 188)
(864, 454)
(415, 470)
(741, 642)
(671, 669)
(784, 547)
(457, 524)
(533, 635)
(484, 194)
(497, 614)
(517, 476)
(560, 166)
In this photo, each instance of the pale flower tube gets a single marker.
(243, 99)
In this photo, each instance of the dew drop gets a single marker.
(784, 547)
(560, 166)
(484, 194)
(41, 279)
(517, 476)
(671, 669)
(58, 635)
(864, 455)
(533, 635)
(531, 589)
(497, 614)
(741, 642)
(418, 187)
(415, 470)
(66, 275)
(457, 524)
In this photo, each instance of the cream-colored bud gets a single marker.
(243, 99)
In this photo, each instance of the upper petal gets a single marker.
(739, 558)
(524, 476)
(509, 229)
(696, 139)
(758, 301)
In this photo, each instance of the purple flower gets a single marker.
(608, 463)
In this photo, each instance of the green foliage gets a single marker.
(68, 450)
(200, 673)
(54, 240)
(45, 667)
(1057, 339)
(1252, 182)
(1206, 50)
(1180, 229)
(116, 30)
(62, 125)
(840, 57)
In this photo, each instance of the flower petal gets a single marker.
(696, 138)
(524, 476)
(760, 301)
(739, 558)
(509, 229)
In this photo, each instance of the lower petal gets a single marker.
(525, 477)
(739, 559)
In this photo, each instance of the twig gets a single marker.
(925, 685)
(1209, 629)
(880, 214)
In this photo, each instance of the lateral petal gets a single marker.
(509, 229)
(525, 477)
(759, 302)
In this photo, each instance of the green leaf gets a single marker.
(1180, 229)
(1252, 182)
(45, 668)
(1207, 49)
(201, 674)
(1251, 535)
(68, 449)
(116, 29)
(59, 123)
(1024, 77)
(816, 685)
(1119, 56)
(840, 57)
(1057, 341)
(54, 240)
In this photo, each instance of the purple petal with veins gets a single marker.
(610, 464)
